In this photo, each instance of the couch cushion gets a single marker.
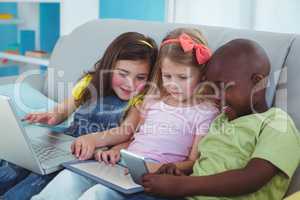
(276, 45)
(290, 82)
(288, 95)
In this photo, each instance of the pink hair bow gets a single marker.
(202, 52)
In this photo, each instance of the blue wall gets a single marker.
(8, 37)
(8, 33)
(151, 10)
(49, 25)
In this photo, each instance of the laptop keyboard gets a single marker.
(46, 152)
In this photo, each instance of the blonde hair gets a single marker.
(174, 52)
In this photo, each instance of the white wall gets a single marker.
(267, 15)
(30, 15)
(277, 15)
(233, 13)
(74, 13)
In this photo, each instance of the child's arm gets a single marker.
(187, 166)
(61, 112)
(111, 156)
(84, 146)
(180, 168)
(66, 108)
(231, 183)
(122, 133)
(58, 114)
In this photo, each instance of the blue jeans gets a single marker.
(71, 186)
(14, 182)
(10, 175)
(68, 185)
(105, 193)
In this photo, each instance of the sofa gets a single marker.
(78, 51)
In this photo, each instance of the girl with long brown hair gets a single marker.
(99, 100)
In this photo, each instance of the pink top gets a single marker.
(168, 132)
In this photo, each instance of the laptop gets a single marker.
(36, 148)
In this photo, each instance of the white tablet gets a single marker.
(136, 165)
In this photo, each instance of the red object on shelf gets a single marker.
(5, 60)
(37, 54)
(12, 52)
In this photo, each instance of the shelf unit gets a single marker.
(25, 59)
(31, 1)
(28, 19)
(72, 14)
(11, 21)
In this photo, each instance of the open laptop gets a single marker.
(35, 148)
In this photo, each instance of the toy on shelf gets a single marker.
(11, 49)
(6, 16)
(37, 54)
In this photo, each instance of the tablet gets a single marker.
(136, 165)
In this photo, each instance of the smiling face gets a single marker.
(180, 81)
(129, 78)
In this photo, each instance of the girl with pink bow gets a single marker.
(170, 121)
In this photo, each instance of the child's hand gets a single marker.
(126, 171)
(111, 156)
(153, 167)
(83, 147)
(169, 168)
(50, 118)
(162, 185)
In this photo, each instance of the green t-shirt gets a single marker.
(230, 145)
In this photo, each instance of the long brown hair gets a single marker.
(174, 52)
(127, 46)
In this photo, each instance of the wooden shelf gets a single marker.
(25, 59)
(9, 64)
(8, 79)
(10, 21)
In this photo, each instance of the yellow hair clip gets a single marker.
(146, 43)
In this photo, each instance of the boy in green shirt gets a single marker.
(251, 151)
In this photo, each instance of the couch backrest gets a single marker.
(77, 52)
(288, 95)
